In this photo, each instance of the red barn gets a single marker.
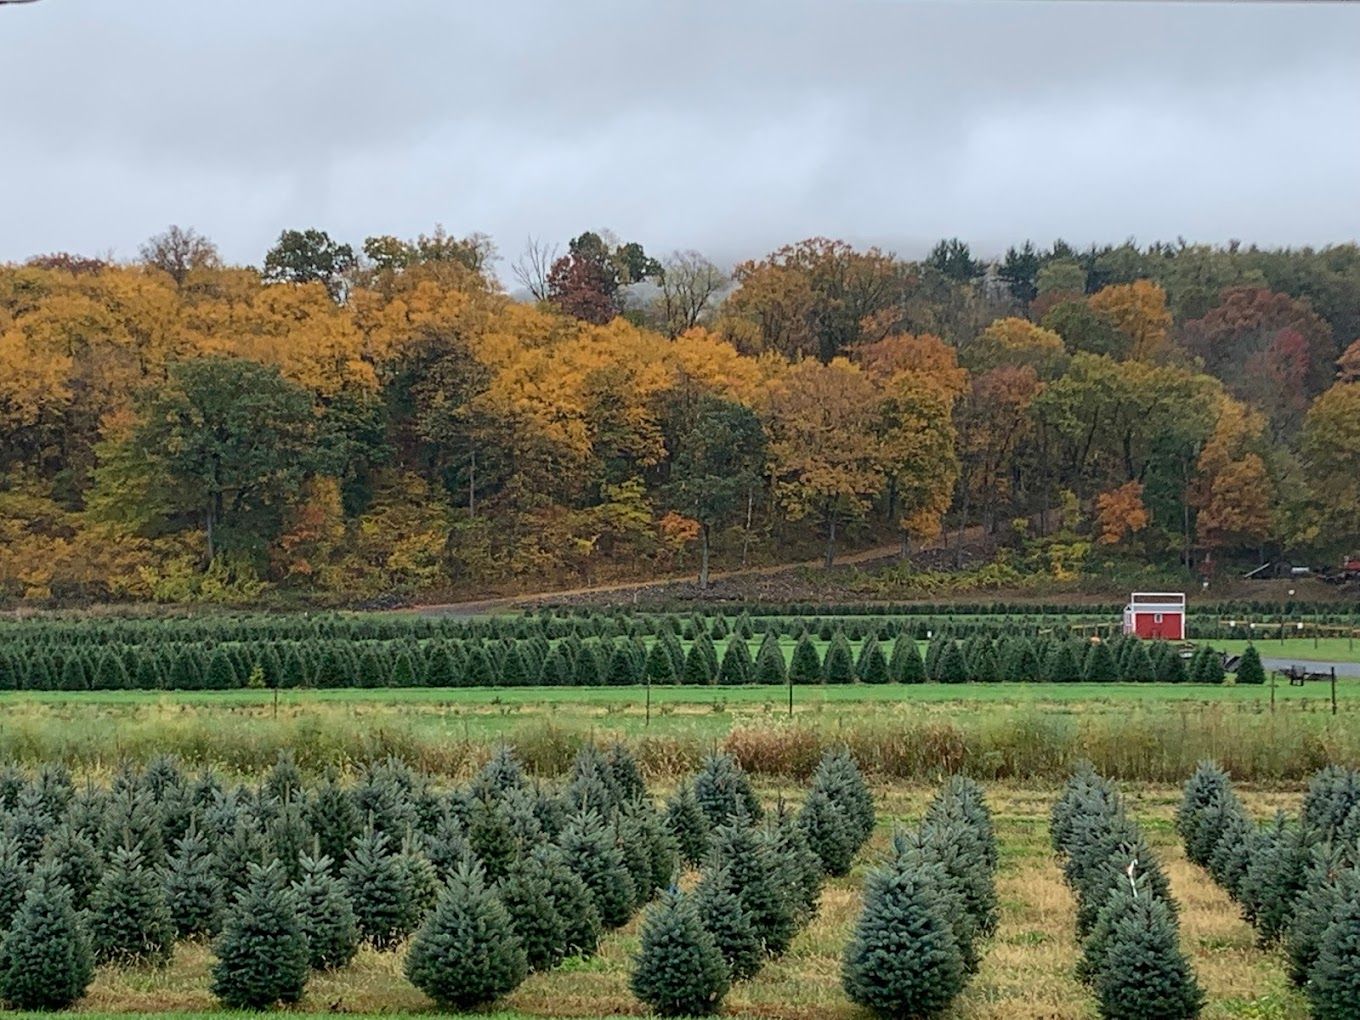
(1156, 614)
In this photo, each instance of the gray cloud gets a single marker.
(726, 127)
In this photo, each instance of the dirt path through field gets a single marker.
(879, 552)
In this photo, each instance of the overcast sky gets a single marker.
(725, 126)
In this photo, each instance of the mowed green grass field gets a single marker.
(1026, 974)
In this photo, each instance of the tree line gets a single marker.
(351, 423)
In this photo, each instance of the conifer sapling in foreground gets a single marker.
(45, 958)
(678, 970)
(466, 954)
(262, 951)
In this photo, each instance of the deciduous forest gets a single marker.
(427, 416)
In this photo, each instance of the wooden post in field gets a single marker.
(1333, 690)
(790, 675)
(1274, 676)
(648, 720)
(276, 702)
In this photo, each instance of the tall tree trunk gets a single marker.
(703, 557)
(472, 486)
(750, 515)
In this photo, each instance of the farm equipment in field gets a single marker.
(1299, 675)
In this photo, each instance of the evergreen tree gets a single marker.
(621, 671)
(129, 920)
(1100, 666)
(907, 665)
(572, 900)
(1275, 876)
(1171, 668)
(588, 848)
(952, 667)
(466, 954)
(1118, 904)
(687, 823)
(1249, 668)
(903, 959)
(806, 667)
(1205, 786)
(45, 957)
(827, 832)
(221, 673)
(557, 667)
(527, 894)
(74, 859)
(658, 668)
(1062, 666)
(73, 675)
(872, 667)
(1142, 974)
(724, 791)
(678, 970)
(326, 915)
(14, 876)
(799, 866)
(378, 886)
(333, 819)
(262, 951)
(728, 923)
(1022, 663)
(770, 667)
(756, 881)
(193, 892)
(480, 671)
(736, 665)
(1138, 665)
(839, 665)
(697, 672)
(1334, 985)
(1313, 910)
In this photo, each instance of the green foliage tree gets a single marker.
(1142, 974)
(467, 953)
(952, 667)
(903, 959)
(724, 791)
(717, 456)
(1334, 984)
(1249, 668)
(678, 970)
(129, 919)
(588, 848)
(221, 442)
(839, 665)
(727, 922)
(379, 889)
(262, 951)
(806, 667)
(325, 915)
(309, 256)
(688, 823)
(45, 957)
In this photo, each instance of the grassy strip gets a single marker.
(1130, 731)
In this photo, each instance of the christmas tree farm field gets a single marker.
(1026, 972)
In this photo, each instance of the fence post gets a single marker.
(1274, 677)
(648, 720)
(1333, 690)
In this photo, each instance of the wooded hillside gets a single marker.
(392, 421)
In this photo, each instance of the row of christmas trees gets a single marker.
(1126, 916)
(488, 881)
(758, 885)
(588, 662)
(926, 911)
(1297, 882)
